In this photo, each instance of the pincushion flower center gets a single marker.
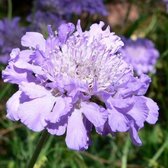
(90, 67)
(140, 53)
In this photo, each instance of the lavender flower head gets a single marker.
(56, 12)
(66, 7)
(165, 1)
(141, 53)
(74, 81)
(10, 33)
(40, 20)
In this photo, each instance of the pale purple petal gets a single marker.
(13, 74)
(56, 121)
(14, 53)
(12, 106)
(33, 113)
(64, 31)
(58, 128)
(34, 90)
(135, 86)
(122, 105)
(134, 135)
(33, 39)
(76, 137)
(61, 108)
(153, 111)
(117, 121)
(144, 82)
(24, 65)
(95, 114)
(26, 55)
(139, 112)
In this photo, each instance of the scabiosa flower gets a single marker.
(40, 20)
(141, 53)
(10, 33)
(66, 7)
(166, 1)
(75, 80)
(56, 12)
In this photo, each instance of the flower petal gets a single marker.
(61, 108)
(153, 111)
(135, 86)
(33, 39)
(13, 74)
(145, 81)
(33, 90)
(64, 31)
(95, 114)
(139, 112)
(76, 137)
(122, 105)
(134, 135)
(57, 128)
(14, 53)
(13, 105)
(26, 55)
(117, 121)
(33, 113)
(24, 65)
(56, 121)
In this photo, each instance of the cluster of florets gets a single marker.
(66, 7)
(56, 12)
(40, 20)
(166, 1)
(10, 34)
(74, 81)
(141, 54)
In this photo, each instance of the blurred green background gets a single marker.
(136, 18)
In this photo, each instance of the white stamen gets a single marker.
(89, 64)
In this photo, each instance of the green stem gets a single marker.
(9, 9)
(125, 153)
(158, 153)
(38, 149)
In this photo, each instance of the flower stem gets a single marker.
(38, 149)
(125, 153)
(152, 162)
(9, 9)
